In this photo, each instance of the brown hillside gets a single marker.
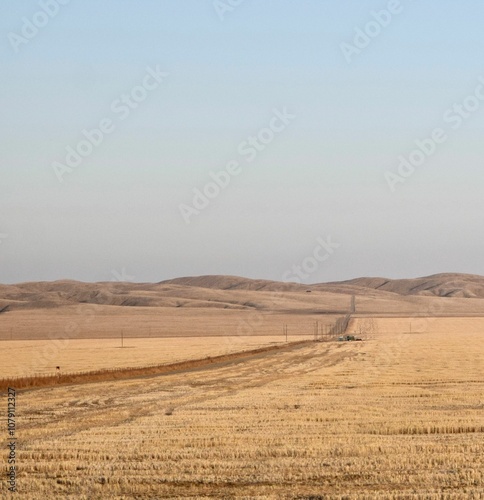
(230, 292)
(440, 285)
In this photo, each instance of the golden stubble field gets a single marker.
(41, 357)
(89, 338)
(399, 416)
(93, 321)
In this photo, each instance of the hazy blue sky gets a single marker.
(321, 174)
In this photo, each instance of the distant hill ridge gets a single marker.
(233, 292)
(440, 285)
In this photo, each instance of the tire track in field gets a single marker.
(151, 395)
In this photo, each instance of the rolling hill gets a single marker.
(231, 292)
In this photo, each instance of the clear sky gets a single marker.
(307, 104)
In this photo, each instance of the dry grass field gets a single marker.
(41, 357)
(398, 416)
(415, 325)
(90, 337)
(95, 322)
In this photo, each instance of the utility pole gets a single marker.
(122, 338)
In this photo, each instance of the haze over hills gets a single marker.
(231, 292)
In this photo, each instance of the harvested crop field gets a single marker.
(111, 322)
(395, 416)
(41, 357)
